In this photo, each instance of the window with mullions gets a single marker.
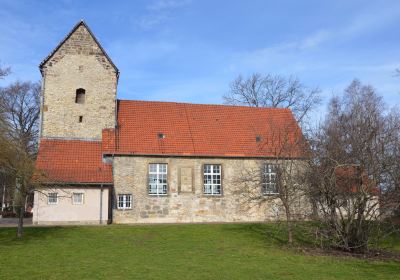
(212, 179)
(269, 179)
(124, 201)
(52, 198)
(77, 198)
(158, 178)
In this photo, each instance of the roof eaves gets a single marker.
(77, 183)
(203, 155)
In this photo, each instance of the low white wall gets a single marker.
(65, 212)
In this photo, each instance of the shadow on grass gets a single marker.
(8, 236)
(275, 233)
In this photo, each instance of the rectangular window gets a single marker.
(158, 178)
(77, 198)
(124, 201)
(269, 179)
(52, 198)
(212, 179)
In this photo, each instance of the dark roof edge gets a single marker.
(55, 138)
(81, 22)
(203, 156)
(78, 183)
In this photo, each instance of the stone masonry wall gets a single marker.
(78, 63)
(131, 177)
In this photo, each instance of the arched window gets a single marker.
(80, 96)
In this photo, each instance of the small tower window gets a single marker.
(80, 96)
(80, 119)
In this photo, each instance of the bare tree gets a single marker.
(18, 164)
(4, 71)
(273, 91)
(351, 164)
(390, 201)
(20, 107)
(278, 182)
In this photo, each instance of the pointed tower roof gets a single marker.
(80, 23)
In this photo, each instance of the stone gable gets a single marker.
(78, 63)
(79, 42)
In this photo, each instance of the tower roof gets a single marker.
(80, 23)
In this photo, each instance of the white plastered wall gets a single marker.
(66, 212)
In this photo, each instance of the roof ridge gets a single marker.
(205, 104)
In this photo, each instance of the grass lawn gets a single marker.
(226, 251)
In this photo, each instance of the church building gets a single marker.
(105, 160)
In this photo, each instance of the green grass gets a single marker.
(226, 251)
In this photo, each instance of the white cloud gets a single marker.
(152, 20)
(359, 25)
(305, 54)
(167, 4)
(315, 39)
(159, 12)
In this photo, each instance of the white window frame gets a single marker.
(212, 179)
(269, 178)
(50, 196)
(158, 179)
(73, 198)
(124, 201)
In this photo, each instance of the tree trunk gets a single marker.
(290, 234)
(289, 225)
(20, 229)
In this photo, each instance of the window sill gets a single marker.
(270, 194)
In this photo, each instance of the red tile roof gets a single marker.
(72, 161)
(188, 129)
(203, 130)
(352, 179)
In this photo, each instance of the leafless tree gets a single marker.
(351, 165)
(20, 106)
(18, 164)
(391, 179)
(273, 91)
(19, 109)
(4, 71)
(278, 182)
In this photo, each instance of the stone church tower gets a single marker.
(79, 88)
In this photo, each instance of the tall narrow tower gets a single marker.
(79, 88)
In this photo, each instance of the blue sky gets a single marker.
(190, 50)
